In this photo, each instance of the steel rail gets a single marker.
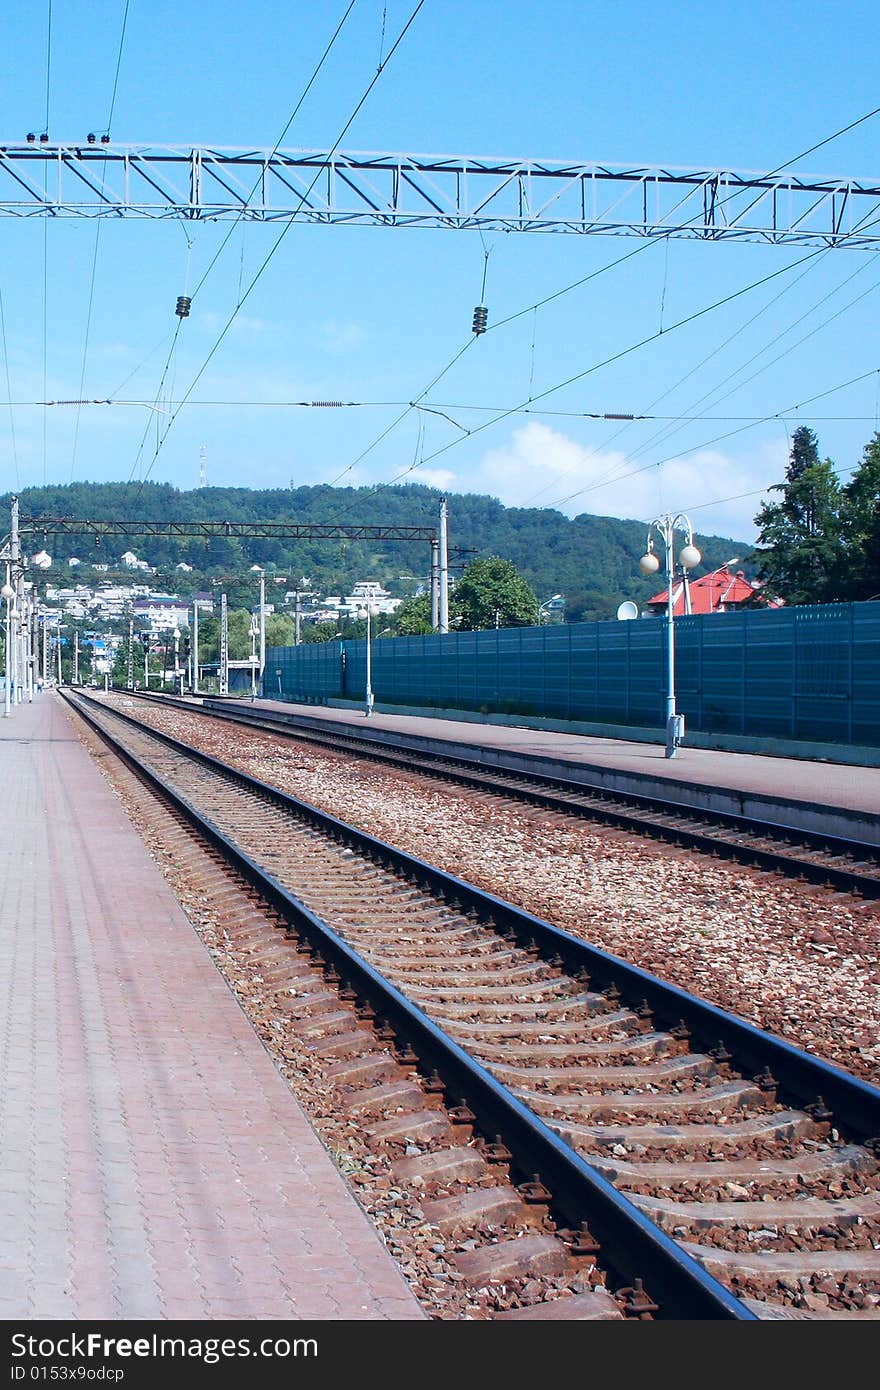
(631, 1244)
(855, 1104)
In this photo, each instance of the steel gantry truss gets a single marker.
(46, 526)
(450, 191)
(208, 530)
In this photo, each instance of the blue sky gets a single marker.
(371, 315)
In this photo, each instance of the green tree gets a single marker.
(119, 674)
(800, 545)
(238, 631)
(413, 617)
(319, 632)
(860, 515)
(280, 630)
(492, 593)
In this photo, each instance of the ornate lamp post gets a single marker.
(689, 556)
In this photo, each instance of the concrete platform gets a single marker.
(153, 1163)
(833, 798)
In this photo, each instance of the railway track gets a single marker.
(707, 1158)
(848, 865)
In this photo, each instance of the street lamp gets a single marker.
(688, 557)
(261, 633)
(255, 632)
(554, 598)
(368, 692)
(9, 594)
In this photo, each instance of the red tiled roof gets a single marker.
(714, 593)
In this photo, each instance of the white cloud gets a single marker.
(542, 467)
(246, 327)
(434, 477)
(340, 338)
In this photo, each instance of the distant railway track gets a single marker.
(848, 865)
(692, 1144)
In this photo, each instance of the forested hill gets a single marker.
(592, 560)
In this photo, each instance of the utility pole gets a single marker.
(296, 617)
(195, 648)
(26, 627)
(32, 644)
(24, 638)
(435, 585)
(129, 675)
(224, 646)
(443, 568)
(262, 628)
(18, 584)
(76, 656)
(9, 595)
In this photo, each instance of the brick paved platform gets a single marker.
(153, 1163)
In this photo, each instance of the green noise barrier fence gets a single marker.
(810, 673)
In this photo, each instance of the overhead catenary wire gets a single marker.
(290, 120)
(277, 243)
(98, 225)
(713, 395)
(754, 492)
(716, 439)
(440, 409)
(811, 256)
(46, 234)
(118, 66)
(172, 348)
(48, 62)
(708, 357)
(639, 250)
(501, 323)
(614, 357)
(615, 477)
(731, 337)
(9, 391)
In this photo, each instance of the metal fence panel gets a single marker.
(811, 672)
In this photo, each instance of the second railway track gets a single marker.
(843, 863)
(759, 1161)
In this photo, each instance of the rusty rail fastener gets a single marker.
(818, 1110)
(534, 1193)
(580, 1242)
(635, 1302)
(497, 1152)
(462, 1114)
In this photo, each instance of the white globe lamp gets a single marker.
(689, 556)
